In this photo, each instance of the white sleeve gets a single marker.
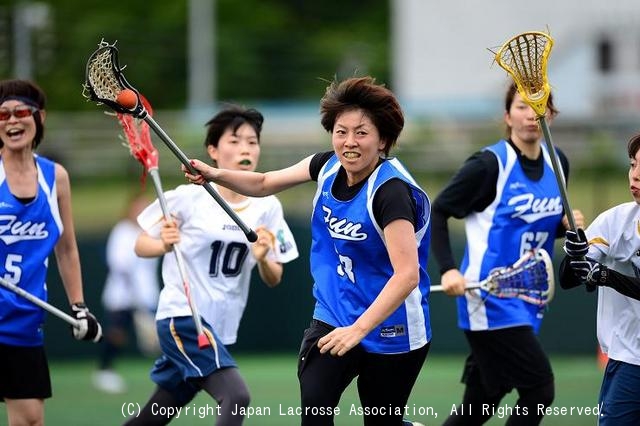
(284, 248)
(599, 237)
(176, 200)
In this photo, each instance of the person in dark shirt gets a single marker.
(508, 195)
(371, 318)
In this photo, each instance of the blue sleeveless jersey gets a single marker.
(525, 214)
(350, 264)
(28, 234)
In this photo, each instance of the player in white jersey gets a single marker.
(36, 221)
(509, 198)
(219, 261)
(129, 296)
(612, 263)
(370, 232)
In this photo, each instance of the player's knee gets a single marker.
(539, 395)
(239, 396)
(315, 398)
(547, 394)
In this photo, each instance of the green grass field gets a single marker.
(273, 383)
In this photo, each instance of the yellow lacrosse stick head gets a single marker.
(524, 57)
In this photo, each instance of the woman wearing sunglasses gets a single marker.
(35, 220)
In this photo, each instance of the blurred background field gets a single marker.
(189, 58)
(272, 381)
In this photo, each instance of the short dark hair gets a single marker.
(29, 93)
(232, 117)
(633, 146)
(377, 102)
(511, 93)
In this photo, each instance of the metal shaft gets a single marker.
(155, 177)
(557, 169)
(41, 303)
(250, 234)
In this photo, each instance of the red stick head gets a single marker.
(139, 138)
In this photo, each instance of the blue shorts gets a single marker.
(182, 362)
(619, 396)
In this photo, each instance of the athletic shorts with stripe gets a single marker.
(182, 361)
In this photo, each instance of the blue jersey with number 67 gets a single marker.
(28, 233)
(524, 215)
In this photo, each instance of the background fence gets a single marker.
(275, 318)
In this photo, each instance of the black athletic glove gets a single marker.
(589, 272)
(89, 328)
(575, 244)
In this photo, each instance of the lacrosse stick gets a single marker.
(525, 57)
(41, 303)
(530, 279)
(141, 148)
(105, 84)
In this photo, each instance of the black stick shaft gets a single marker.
(249, 233)
(557, 169)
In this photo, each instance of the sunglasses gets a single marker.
(21, 111)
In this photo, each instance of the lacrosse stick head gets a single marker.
(104, 81)
(138, 137)
(530, 279)
(525, 57)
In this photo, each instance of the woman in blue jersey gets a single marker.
(370, 240)
(36, 220)
(510, 201)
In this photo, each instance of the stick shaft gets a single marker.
(41, 303)
(469, 286)
(155, 177)
(557, 169)
(251, 235)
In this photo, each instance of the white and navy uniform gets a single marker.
(216, 253)
(132, 281)
(28, 235)
(614, 240)
(350, 264)
(218, 260)
(523, 215)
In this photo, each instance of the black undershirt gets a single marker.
(473, 189)
(392, 201)
(25, 200)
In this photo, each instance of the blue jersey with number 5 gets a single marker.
(28, 234)
(350, 263)
(524, 215)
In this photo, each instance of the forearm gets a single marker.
(270, 272)
(68, 261)
(244, 182)
(403, 255)
(623, 284)
(440, 242)
(147, 246)
(388, 301)
(253, 183)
